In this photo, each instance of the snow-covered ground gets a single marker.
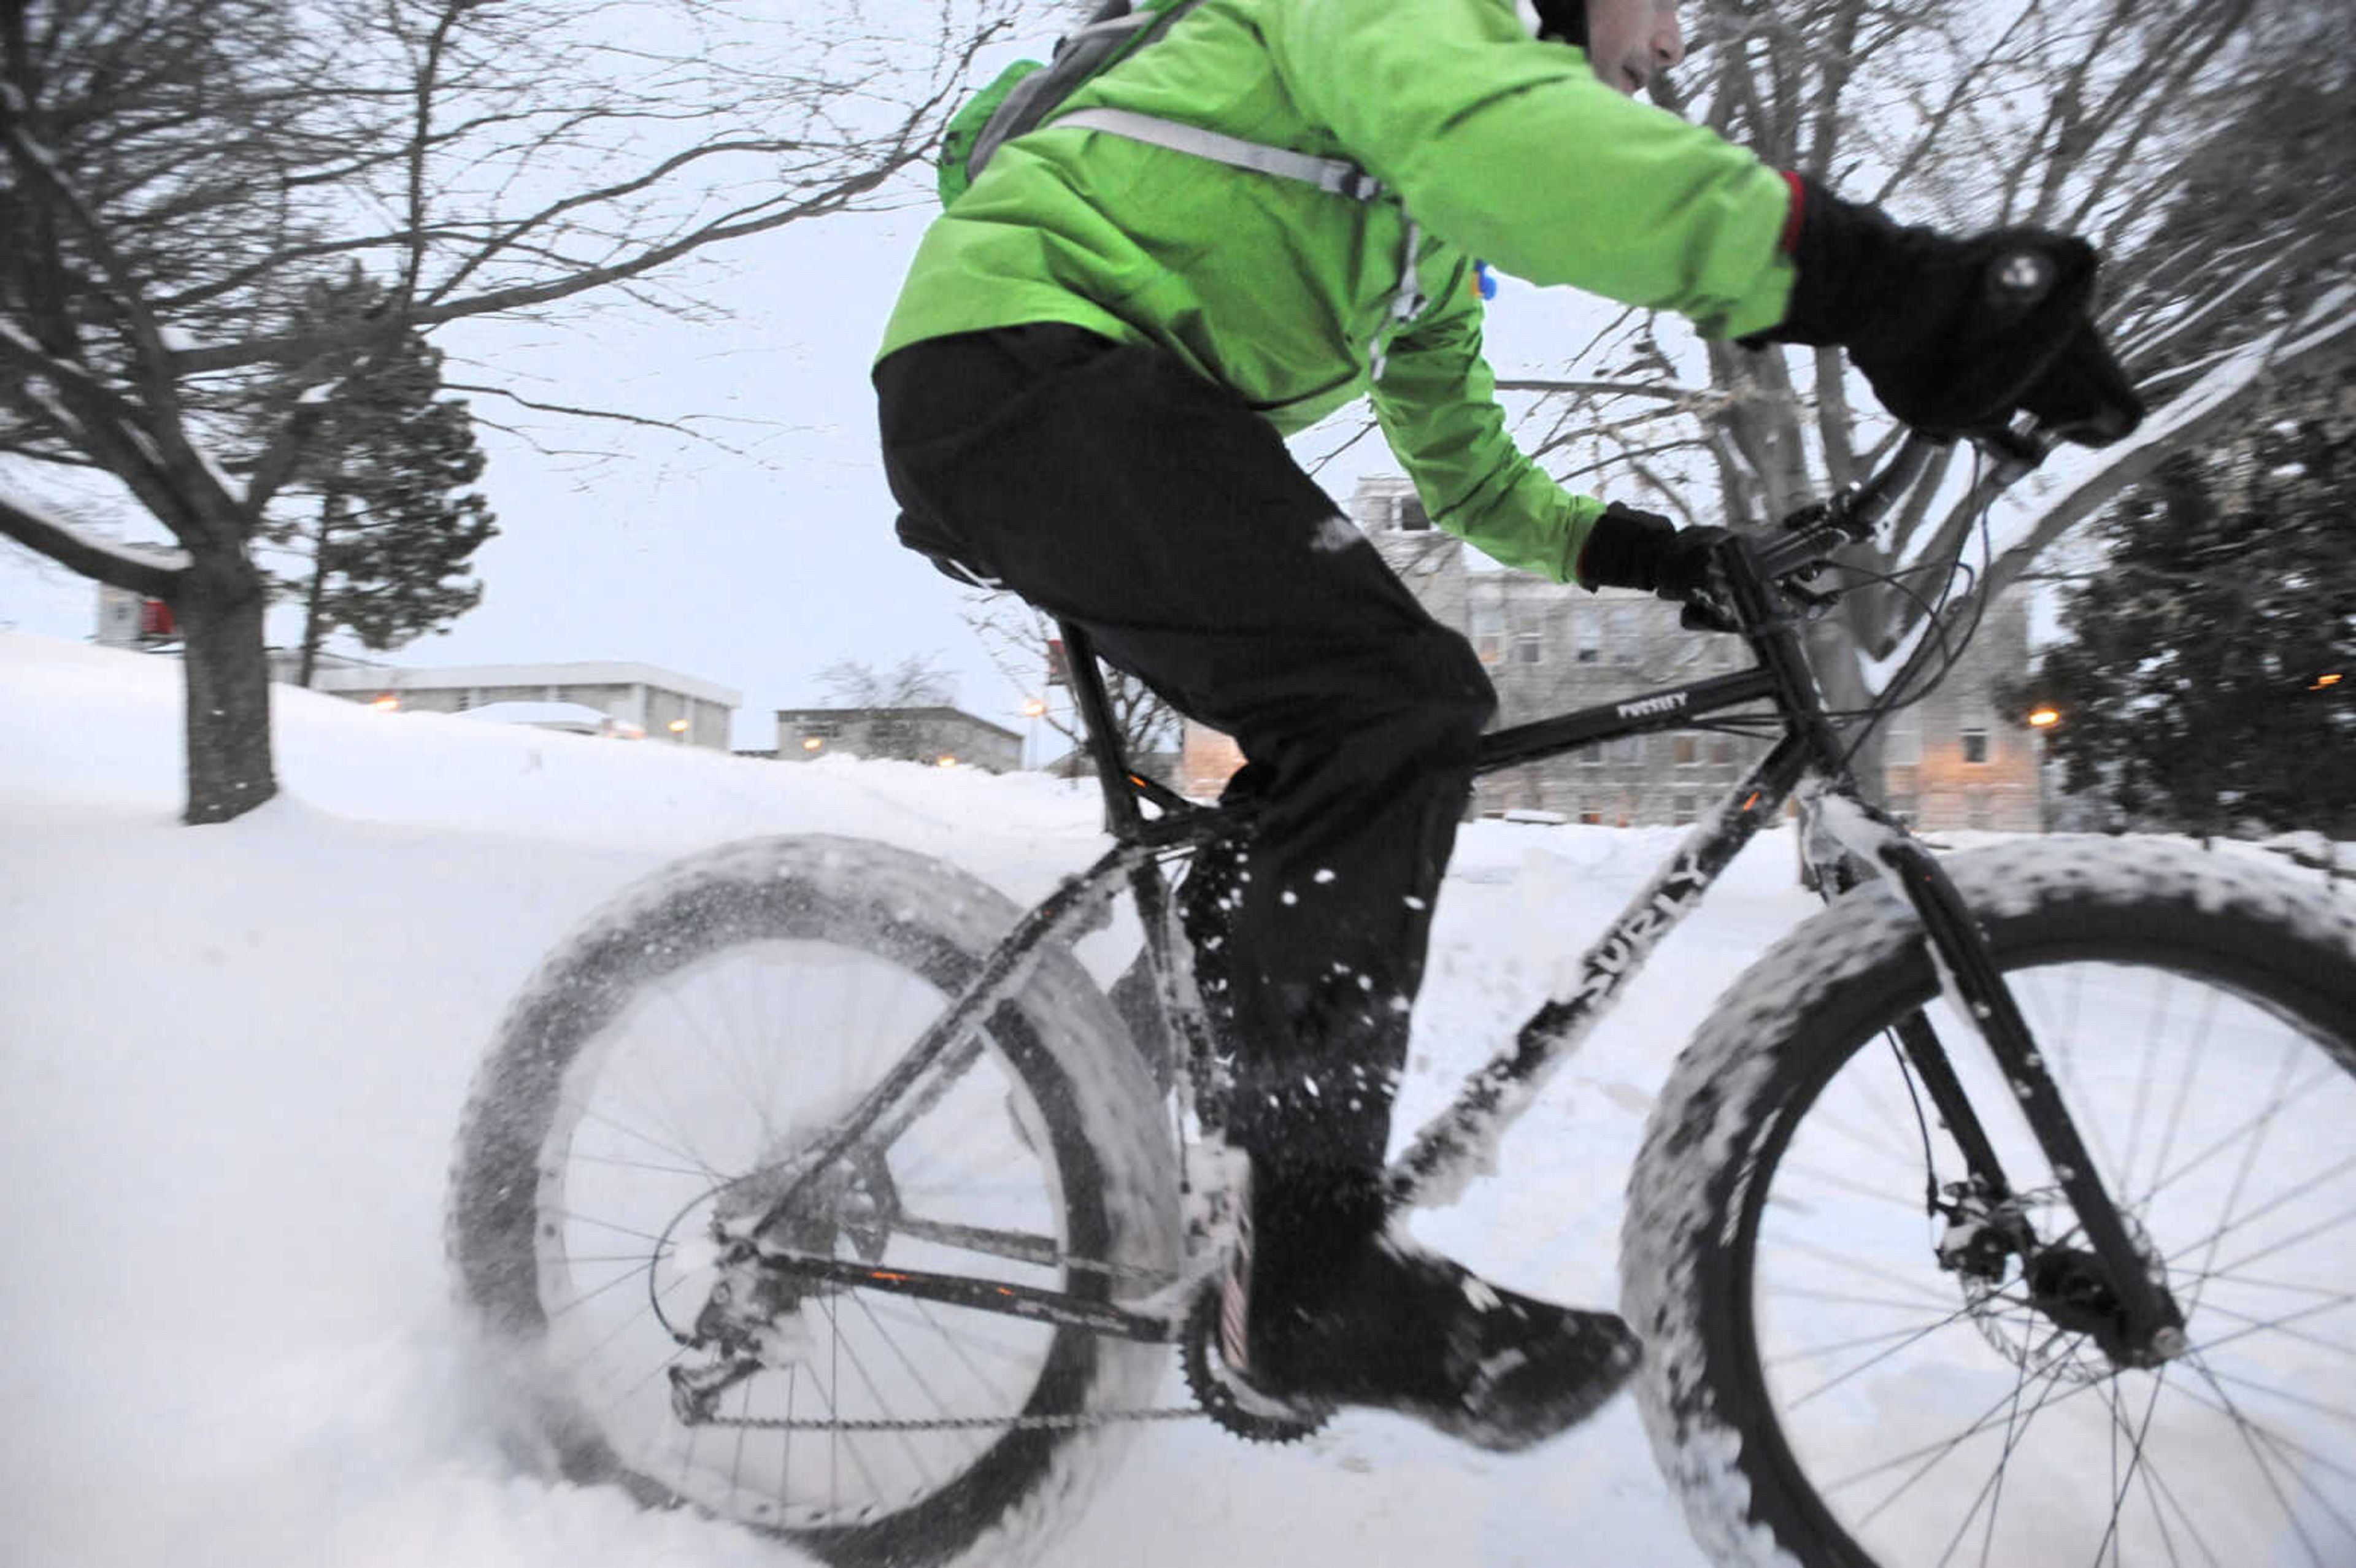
(232, 1060)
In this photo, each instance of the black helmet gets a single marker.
(1562, 19)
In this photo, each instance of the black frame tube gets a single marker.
(1783, 678)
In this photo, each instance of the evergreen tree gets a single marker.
(388, 462)
(2209, 678)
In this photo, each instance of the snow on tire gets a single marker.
(707, 1023)
(2236, 950)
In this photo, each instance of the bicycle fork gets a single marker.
(2109, 1293)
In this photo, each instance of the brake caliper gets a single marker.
(1982, 1238)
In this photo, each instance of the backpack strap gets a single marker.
(1337, 176)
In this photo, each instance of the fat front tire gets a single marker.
(713, 1021)
(1819, 1391)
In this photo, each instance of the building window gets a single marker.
(1901, 741)
(1529, 647)
(1409, 515)
(1627, 636)
(1721, 749)
(1975, 745)
(1681, 810)
(1625, 749)
(1591, 755)
(1489, 634)
(1591, 819)
(1684, 750)
(1586, 640)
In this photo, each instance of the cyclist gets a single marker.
(1084, 390)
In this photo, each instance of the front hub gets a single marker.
(2053, 1309)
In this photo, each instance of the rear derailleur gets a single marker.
(752, 1318)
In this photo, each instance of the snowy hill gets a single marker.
(234, 1059)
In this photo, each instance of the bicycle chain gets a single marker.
(961, 1423)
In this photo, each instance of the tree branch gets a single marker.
(154, 576)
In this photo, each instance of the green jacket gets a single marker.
(1501, 146)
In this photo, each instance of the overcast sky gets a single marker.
(754, 568)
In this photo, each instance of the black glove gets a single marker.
(1954, 334)
(1629, 548)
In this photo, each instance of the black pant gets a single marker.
(1115, 489)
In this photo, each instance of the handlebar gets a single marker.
(1853, 516)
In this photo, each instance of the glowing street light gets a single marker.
(812, 743)
(946, 761)
(676, 727)
(1035, 707)
(388, 703)
(2044, 718)
(2325, 682)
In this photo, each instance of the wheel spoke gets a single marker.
(699, 1098)
(1912, 1203)
(2249, 1434)
(2277, 1326)
(2122, 1485)
(2219, 1113)
(1932, 1453)
(2261, 1117)
(916, 1375)
(2194, 1057)
(1928, 1298)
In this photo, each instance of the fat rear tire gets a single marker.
(1080, 1101)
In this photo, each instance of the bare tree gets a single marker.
(1022, 644)
(2098, 116)
(916, 681)
(174, 173)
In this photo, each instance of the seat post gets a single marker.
(1121, 813)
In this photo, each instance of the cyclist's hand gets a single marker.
(1683, 570)
(1634, 549)
(1956, 334)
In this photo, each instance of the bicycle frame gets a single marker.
(1455, 1146)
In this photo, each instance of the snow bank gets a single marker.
(234, 1057)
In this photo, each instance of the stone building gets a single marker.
(640, 698)
(1950, 762)
(946, 736)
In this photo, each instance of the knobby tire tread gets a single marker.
(1112, 1148)
(1782, 1029)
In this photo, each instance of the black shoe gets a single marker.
(1394, 1328)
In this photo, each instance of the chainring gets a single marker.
(1214, 1388)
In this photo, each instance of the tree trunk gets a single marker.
(312, 634)
(220, 610)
